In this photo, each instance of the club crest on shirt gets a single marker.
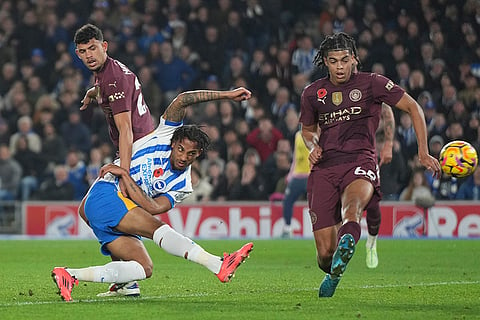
(337, 98)
(355, 95)
(159, 185)
(321, 95)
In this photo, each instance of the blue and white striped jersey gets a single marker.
(151, 168)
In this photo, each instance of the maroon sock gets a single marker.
(374, 217)
(351, 227)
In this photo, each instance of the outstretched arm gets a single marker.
(176, 110)
(409, 105)
(388, 131)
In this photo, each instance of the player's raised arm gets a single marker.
(176, 110)
(388, 120)
(409, 105)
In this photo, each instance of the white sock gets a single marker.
(178, 245)
(371, 241)
(115, 271)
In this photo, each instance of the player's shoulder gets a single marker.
(313, 87)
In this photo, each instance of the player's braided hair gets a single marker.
(193, 133)
(336, 42)
(87, 32)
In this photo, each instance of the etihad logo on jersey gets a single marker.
(321, 95)
(339, 115)
(116, 96)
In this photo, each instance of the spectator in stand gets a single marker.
(10, 174)
(223, 189)
(33, 167)
(202, 189)
(75, 133)
(58, 187)
(281, 104)
(152, 94)
(95, 162)
(215, 176)
(417, 187)
(25, 128)
(235, 71)
(54, 150)
(406, 137)
(264, 138)
(212, 155)
(283, 68)
(211, 52)
(303, 55)
(172, 74)
(77, 171)
(7, 77)
(4, 131)
(276, 166)
(470, 188)
(250, 186)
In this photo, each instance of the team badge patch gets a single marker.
(337, 98)
(313, 217)
(321, 94)
(355, 95)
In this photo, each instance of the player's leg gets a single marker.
(355, 198)
(295, 188)
(138, 221)
(374, 218)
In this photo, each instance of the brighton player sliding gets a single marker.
(159, 178)
(345, 109)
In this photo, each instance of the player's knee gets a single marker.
(148, 268)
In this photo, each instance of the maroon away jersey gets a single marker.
(120, 91)
(348, 114)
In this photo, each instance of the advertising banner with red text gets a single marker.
(264, 220)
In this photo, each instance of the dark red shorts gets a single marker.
(326, 185)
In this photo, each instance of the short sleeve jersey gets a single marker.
(151, 168)
(348, 114)
(120, 91)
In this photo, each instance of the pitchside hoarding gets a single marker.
(263, 220)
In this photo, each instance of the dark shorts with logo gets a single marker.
(325, 187)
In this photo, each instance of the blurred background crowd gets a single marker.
(49, 150)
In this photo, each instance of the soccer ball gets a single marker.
(458, 159)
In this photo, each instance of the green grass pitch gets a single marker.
(416, 279)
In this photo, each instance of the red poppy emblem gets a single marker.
(321, 93)
(158, 172)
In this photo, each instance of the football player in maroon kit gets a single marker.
(340, 115)
(117, 91)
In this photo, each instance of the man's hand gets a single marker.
(315, 155)
(113, 169)
(431, 164)
(239, 94)
(386, 153)
(90, 95)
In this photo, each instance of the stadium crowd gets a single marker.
(49, 150)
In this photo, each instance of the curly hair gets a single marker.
(87, 32)
(193, 133)
(336, 42)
